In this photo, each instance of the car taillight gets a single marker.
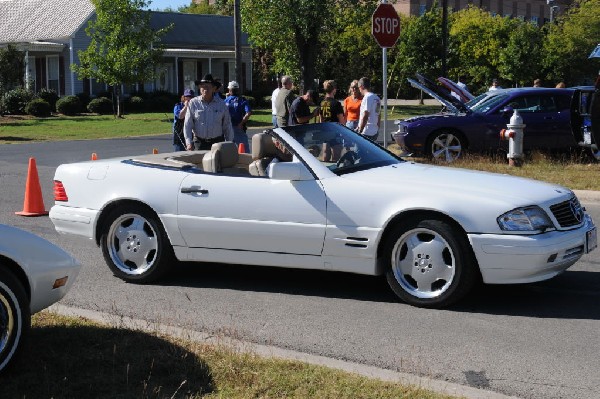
(60, 194)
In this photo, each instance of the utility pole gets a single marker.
(237, 26)
(444, 36)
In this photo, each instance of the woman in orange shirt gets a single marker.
(352, 105)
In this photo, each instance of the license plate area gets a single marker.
(591, 240)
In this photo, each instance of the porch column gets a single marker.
(27, 78)
(210, 65)
(177, 75)
(71, 73)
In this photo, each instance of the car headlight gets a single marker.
(531, 218)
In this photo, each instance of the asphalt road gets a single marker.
(532, 341)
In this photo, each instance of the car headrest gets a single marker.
(227, 154)
(263, 146)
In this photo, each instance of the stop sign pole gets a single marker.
(385, 30)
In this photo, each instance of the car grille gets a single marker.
(568, 213)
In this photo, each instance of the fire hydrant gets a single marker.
(514, 134)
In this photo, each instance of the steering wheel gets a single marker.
(348, 159)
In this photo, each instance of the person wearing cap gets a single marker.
(207, 119)
(300, 113)
(179, 116)
(239, 111)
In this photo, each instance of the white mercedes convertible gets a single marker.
(319, 196)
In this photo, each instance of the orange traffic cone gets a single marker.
(34, 202)
(242, 148)
(94, 156)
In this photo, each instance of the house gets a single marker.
(51, 32)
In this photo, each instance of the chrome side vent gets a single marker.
(356, 242)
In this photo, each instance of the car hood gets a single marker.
(439, 93)
(470, 186)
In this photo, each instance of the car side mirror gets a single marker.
(294, 171)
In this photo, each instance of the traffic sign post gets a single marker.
(386, 31)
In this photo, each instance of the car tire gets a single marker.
(429, 263)
(15, 317)
(445, 146)
(135, 245)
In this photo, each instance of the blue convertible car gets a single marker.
(554, 119)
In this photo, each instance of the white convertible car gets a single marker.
(34, 274)
(319, 196)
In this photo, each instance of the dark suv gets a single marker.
(554, 119)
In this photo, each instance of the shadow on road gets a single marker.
(572, 295)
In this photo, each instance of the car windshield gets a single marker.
(339, 148)
(489, 103)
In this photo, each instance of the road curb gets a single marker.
(439, 386)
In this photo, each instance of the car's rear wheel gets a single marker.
(135, 245)
(595, 152)
(429, 263)
(445, 145)
(15, 317)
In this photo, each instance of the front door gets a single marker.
(245, 213)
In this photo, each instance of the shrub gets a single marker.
(84, 99)
(251, 100)
(101, 105)
(38, 107)
(135, 104)
(15, 101)
(48, 95)
(161, 103)
(68, 105)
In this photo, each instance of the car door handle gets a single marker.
(189, 190)
(548, 118)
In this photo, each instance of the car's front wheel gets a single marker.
(135, 245)
(15, 318)
(445, 146)
(429, 263)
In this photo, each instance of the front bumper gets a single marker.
(514, 259)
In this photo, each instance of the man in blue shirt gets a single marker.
(239, 111)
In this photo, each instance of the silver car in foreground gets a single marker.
(34, 274)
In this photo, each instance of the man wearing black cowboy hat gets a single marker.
(207, 120)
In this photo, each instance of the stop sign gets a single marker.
(386, 25)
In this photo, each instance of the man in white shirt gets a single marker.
(370, 107)
(273, 98)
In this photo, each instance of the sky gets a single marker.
(174, 4)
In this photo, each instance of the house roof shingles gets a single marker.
(58, 20)
(41, 20)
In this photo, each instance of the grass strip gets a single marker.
(71, 357)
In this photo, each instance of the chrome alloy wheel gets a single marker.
(446, 147)
(423, 263)
(132, 244)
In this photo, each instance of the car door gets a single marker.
(541, 116)
(245, 213)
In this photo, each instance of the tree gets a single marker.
(476, 38)
(291, 30)
(569, 42)
(12, 68)
(520, 57)
(124, 49)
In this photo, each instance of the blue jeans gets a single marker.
(240, 137)
(274, 120)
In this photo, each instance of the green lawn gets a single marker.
(14, 129)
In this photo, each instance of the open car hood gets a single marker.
(439, 93)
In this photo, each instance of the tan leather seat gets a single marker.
(222, 158)
(263, 152)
